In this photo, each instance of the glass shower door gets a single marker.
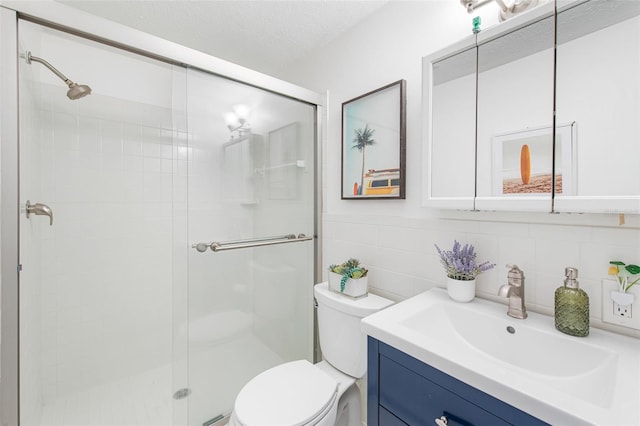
(251, 183)
(96, 287)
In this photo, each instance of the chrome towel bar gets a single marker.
(252, 242)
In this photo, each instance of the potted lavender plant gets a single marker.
(462, 270)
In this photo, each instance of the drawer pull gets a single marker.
(442, 421)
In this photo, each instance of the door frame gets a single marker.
(9, 215)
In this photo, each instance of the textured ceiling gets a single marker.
(262, 35)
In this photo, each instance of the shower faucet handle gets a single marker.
(40, 209)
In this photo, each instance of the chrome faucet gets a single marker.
(514, 290)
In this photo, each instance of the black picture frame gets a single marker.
(375, 121)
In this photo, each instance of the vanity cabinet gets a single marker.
(405, 391)
(538, 113)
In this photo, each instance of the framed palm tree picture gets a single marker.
(374, 144)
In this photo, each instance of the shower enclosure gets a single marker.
(158, 234)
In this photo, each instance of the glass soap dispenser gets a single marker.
(572, 306)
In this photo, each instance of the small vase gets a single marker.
(460, 290)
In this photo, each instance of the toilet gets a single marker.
(299, 393)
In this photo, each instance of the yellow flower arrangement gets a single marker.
(624, 273)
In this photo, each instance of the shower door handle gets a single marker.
(252, 242)
(40, 209)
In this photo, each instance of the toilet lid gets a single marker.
(290, 394)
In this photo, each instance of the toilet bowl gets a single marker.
(299, 393)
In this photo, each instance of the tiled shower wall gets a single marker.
(107, 261)
(31, 257)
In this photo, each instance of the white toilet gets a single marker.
(300, 393)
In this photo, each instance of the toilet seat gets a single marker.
(293, 394)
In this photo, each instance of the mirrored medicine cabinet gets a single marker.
(539, 113)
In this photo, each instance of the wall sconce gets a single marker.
(236, 121)
(506, 12)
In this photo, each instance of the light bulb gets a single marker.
(231, 120)
(242, 111)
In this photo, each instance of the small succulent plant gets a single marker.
(349, 269)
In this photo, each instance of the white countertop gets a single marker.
(560, 379)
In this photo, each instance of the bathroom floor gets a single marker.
(217, 375)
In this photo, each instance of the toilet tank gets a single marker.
(342, 341)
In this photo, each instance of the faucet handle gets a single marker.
(515, 276)
(39, 209)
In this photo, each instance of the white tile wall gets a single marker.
(33, 319)
(107, 262)
(403, 262)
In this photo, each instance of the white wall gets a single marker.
(395, 237)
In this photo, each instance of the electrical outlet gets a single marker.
(623, 311)
(615, 313)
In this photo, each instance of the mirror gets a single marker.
(515, 105)
(598, 64)
(452, 176)
(594, 166)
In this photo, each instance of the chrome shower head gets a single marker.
(76, 91)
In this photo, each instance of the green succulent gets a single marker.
(358, 273)
(349, 269)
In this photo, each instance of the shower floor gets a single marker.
(139, 400)
(216, 376)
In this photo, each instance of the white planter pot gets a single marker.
(352, 288)
(461, 291)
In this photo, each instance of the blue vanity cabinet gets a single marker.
(405, 391)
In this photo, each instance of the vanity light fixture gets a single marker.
(237, 121)
(506, 10)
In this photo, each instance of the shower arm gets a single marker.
(53, 69)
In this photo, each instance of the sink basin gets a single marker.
(527, 363)
(567, 364)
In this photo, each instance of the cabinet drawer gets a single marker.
(419, 401)
(388, 419)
